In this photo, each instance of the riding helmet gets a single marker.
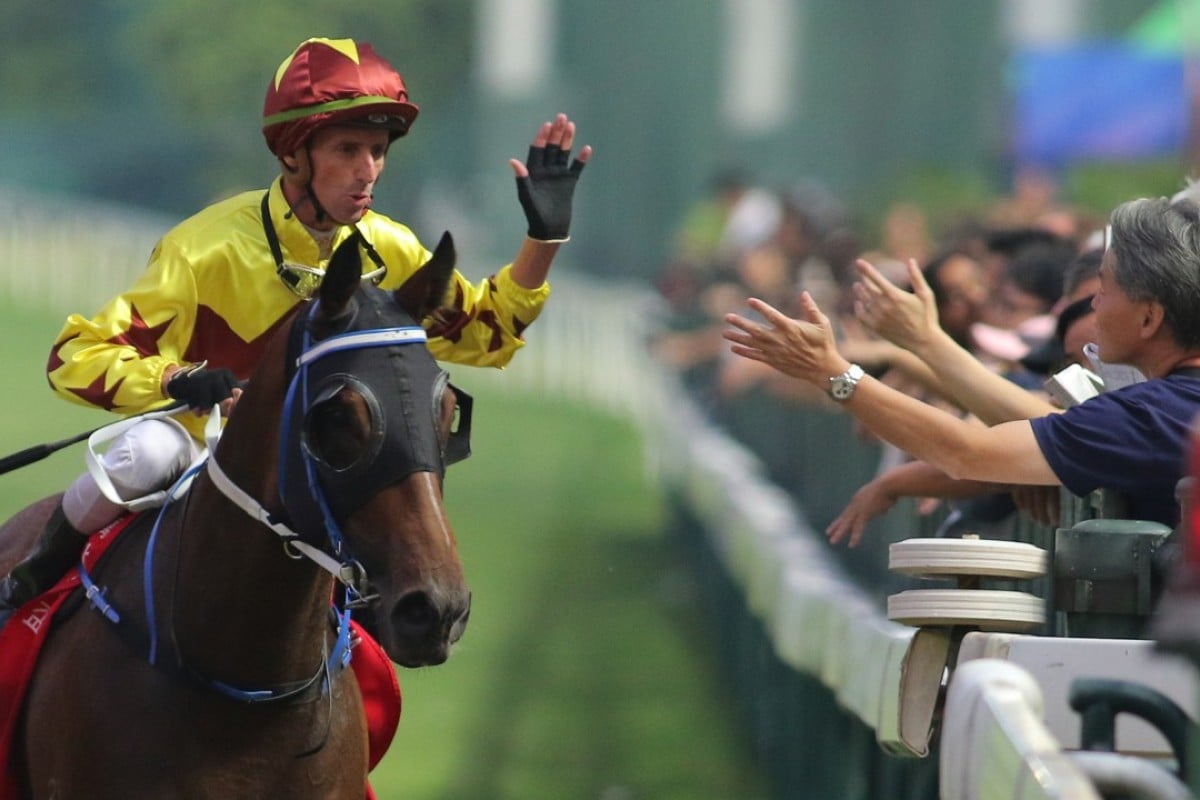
(333, 81)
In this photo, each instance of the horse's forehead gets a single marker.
(403, 365)
(384, 304)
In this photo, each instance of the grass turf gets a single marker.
(583, 672)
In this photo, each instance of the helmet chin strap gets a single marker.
(318, 209)
(302, 175)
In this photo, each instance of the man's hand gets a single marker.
(803, 348)
(546, 181)
(869, 502)
(202, 388)
(908, 319)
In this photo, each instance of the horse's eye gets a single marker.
(337, 430)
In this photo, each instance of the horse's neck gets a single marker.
(241, 604)
(240, 607)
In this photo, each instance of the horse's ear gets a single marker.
(343, 276)
(426, 289)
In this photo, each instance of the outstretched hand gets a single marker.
(869, 502)
(546, 180)
(908, 319)
(804, 349)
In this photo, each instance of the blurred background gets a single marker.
(595, 665)
(157, 104)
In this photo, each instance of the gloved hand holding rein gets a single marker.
(201, 388)
(546, 183)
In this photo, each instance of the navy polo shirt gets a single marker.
(1132, 440)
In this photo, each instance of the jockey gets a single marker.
(196, 322)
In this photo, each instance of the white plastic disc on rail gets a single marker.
(986, 609)
(985, 557)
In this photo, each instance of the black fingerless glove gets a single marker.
(202, 388)
(546, 193)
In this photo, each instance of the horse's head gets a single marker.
(367, 432)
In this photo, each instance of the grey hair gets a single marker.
(1156, 244)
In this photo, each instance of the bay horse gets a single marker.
(338, 445)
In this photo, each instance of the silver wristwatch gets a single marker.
(841, 387)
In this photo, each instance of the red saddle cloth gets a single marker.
(22, 638)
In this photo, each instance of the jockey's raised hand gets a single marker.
(546, 181)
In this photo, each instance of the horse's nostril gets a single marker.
(415, 613)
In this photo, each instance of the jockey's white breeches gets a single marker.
(148, 457)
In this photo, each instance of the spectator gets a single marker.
(1003, 245)
(1081, 280)
(1034, 198)
(959, 292)
(1075, 327)
(1026, 279)
(1129, 440)
(735, 216)
(906, 233)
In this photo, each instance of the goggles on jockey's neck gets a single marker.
(302, 280)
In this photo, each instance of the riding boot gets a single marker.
(58, 547)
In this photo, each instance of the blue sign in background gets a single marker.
(1098, 102)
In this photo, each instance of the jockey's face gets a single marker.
(346, 162)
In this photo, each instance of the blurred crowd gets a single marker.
(1012, 284)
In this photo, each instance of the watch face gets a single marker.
(842, 387)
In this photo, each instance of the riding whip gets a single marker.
(36, 453)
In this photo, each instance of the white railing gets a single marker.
(995, 744)
(589, 346)
(66, 254)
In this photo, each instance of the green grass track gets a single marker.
(584, 671)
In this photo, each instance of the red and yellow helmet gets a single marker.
(333, 81)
